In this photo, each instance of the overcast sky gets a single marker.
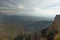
(44, 8)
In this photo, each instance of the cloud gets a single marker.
(47, 8)
(5, 4)
(49, 12)
(7, 11)
(50, 2)
(20, 6)
(31, 7)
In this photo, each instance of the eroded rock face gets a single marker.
(53, 29)
(55, 25)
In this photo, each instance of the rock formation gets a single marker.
(55, 24)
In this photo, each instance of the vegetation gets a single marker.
(10, 31)
(57, 37)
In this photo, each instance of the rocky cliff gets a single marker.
(55, 24)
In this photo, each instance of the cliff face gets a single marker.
(56, 24)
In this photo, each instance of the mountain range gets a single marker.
(30, 23)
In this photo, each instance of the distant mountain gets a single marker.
(15, 19)
(37, 26)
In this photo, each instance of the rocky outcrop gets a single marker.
(52, 29)
(55, 25)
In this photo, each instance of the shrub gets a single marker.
(57, 37)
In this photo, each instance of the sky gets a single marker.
(40, 8)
